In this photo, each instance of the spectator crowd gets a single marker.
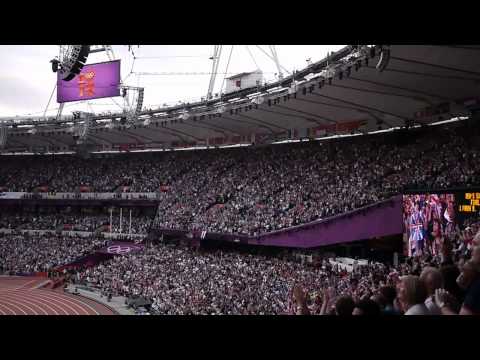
(176, 279)
(25, 254)
(76, 222)
(182, 280)
(250, 191)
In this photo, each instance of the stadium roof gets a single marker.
(419, 84)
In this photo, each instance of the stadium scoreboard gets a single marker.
(469, 202)
(95, 81)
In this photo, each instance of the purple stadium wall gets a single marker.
(381, 219)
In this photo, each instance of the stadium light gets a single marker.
(55, 65)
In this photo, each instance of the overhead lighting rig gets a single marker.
(71, 61)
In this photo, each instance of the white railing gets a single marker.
(74, 233)
(348, 263)
(80, 196)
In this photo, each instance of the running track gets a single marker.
(22, 296)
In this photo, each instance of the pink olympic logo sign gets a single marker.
(121, 249)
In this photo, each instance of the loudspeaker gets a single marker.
(55, 63)
(79, 61)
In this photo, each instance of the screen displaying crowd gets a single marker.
(428, 220)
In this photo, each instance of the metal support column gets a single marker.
(217, 52)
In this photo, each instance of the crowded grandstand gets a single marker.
(365, 202)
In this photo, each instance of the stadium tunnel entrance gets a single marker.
(381, 249)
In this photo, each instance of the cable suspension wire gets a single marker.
(93, 104)
(90, 107)
(173, 56)
(133, 64)
(55, 109)
(226, 69)
(271, 58)
(126, 77)
(121, 107)
(248, 49)
(48, 104)
(131, 70)
(187, 73)
(275, 58)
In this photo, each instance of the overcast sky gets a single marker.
(27, 81)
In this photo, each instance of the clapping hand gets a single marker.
(441, 297)
(330, 293)
(299, 294)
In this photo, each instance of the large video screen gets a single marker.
(94, 81)
(428, 219)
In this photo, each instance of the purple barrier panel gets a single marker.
(86, 261)
(381, 219)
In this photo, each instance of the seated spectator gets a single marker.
(469, 280)
(344, 306)
(476, 254)
(432, 278)
(412, 295)
(450, 274)
(388, 294)
(366, 307)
